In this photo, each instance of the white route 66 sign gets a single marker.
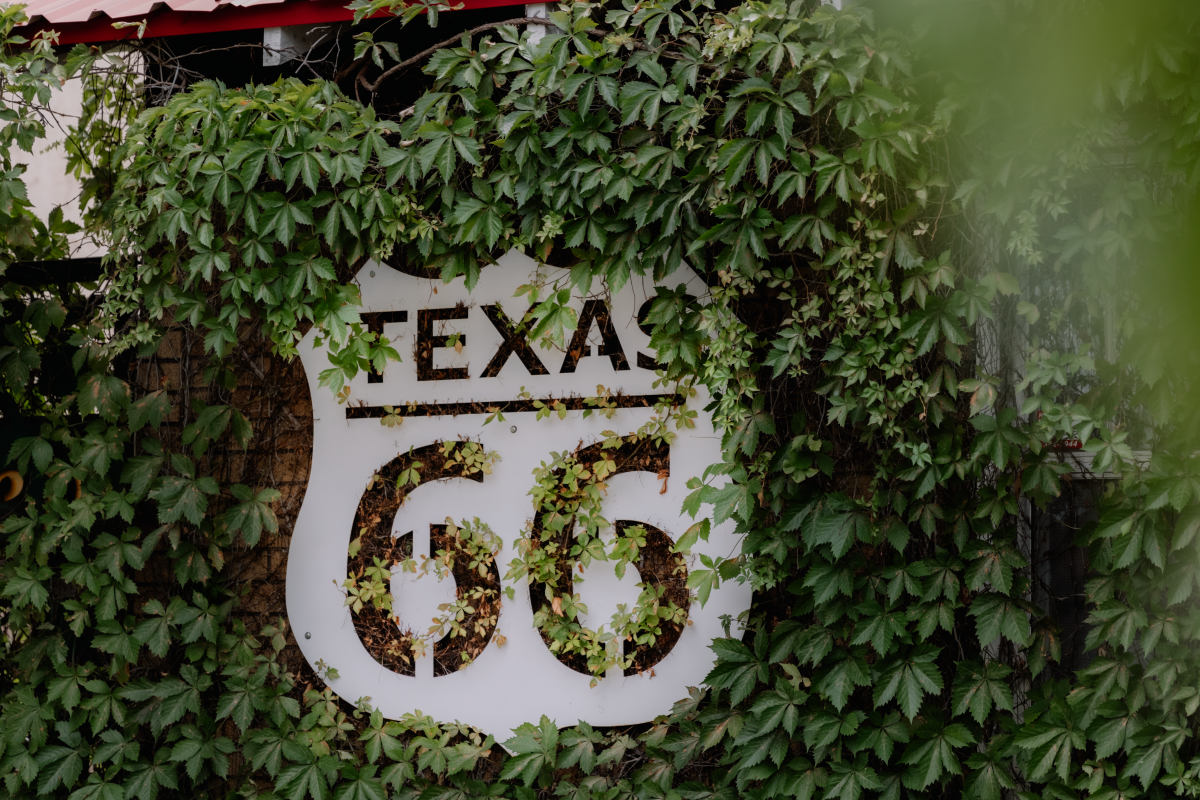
(503, 686)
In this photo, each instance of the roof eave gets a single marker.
(168, 22)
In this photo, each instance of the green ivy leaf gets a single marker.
(183, 497)
(579, 747)
(105, 395)
(299, 780)
(980, 686)
(882, 628)
(99, 789)
(908, 679)
(253, 514)
(27, 588)
(149, 410)
(1050, 743)
(988, 777)
(145, 780)
(58, 766)
(363, 786)
(534, 749)
(996, 615)
(31, 447)
(839, 680)
(779, 708)
(738, 667)
(849, 780)
(931, 754)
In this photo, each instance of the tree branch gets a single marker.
(371, 87)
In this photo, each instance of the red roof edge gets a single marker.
(166, 22)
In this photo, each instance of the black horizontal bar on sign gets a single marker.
(504, 406)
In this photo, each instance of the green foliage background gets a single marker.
(866, 221)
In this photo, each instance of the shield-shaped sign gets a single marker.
(464, 359)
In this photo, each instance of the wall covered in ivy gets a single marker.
(919, 294)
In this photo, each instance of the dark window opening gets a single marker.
(1060, 569)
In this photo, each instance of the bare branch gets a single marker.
(372, 87)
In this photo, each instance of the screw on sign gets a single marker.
(463, 358)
